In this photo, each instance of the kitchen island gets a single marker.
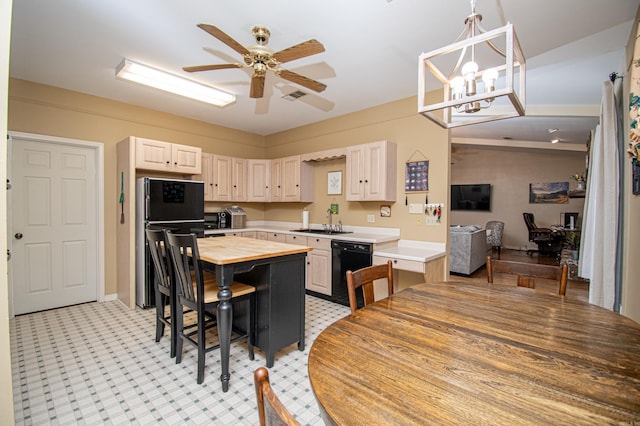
(277, 270)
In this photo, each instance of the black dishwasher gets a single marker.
(345, 256)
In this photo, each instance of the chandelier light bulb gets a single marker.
(457, 85)
(489, 78)
(469, 70)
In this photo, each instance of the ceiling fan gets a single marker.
(262, 58)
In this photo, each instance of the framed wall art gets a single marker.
(334, 183)
(549, 193)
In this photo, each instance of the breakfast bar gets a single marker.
(277, 270)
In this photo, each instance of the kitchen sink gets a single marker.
(321, 231)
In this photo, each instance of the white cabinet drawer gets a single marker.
(319, 243)
(405, 265)
(296, 239)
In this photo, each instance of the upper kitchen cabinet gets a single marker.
(224, 178)
(238, 179)
(258, 180)
(371, 172)
(291, 180)
(167, 157)
(229, 178)
(206, 176)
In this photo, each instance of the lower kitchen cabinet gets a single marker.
(275, 236)
(319, 265)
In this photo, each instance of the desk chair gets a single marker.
(528, 272)
(201, 296)
(549, 241)
(270, 409)
(364, 278)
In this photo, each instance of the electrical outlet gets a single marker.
(419, 220)
(371, 218)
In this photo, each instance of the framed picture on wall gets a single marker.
(334, 183)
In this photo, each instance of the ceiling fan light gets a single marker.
(143, 74)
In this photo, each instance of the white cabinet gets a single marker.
(291, 180)
(206, 176)
(275, 236)
(224, 178)
(371, 172)
(167, 157)
(238, 179)
(258, 180)
(262, 235)
(319, 265)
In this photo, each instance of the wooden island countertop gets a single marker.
(227, 250)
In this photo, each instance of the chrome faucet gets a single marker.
(329, 214)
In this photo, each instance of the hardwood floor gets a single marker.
(577, 289)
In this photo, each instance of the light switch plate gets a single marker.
(416, 209)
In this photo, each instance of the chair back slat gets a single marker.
(528, 272)
(156, 240)
(271, 411)
(186, 262)
(364, 278)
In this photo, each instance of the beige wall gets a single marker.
(41, 109)
(510, 172)
(397, 122)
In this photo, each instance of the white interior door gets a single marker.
(53, 226)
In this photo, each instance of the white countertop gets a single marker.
(417, 251)
(359, 234)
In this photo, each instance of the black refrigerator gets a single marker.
(172, 204)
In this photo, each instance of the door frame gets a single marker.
(99, 190)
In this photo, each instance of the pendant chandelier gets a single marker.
(480, 86)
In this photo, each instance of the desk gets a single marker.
(460, 353)
(277, 270)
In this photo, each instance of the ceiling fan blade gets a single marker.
(225, 38)
(302, 80)
(211, 67)
(257, 86)
(306, 48)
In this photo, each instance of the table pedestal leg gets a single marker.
(224, 277)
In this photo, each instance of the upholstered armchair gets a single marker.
(549, 241)
(494, 234)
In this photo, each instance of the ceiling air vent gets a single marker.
(294, 95)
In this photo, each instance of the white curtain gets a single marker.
(600, 218)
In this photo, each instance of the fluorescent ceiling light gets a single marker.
(152, 77)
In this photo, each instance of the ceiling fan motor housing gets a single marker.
(261, 34)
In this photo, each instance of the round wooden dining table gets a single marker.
(459, 353)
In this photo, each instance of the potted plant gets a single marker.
(572, 242)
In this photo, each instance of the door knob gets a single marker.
(18, 236)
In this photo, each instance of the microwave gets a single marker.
(217, 220)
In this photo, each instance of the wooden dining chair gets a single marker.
(163, 287)
(528, 272)
(270, 409)
(364, 278)
(193, 292)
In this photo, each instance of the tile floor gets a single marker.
(98, 363)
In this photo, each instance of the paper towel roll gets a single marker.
(305, 219)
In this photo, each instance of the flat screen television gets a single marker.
(471, 197)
